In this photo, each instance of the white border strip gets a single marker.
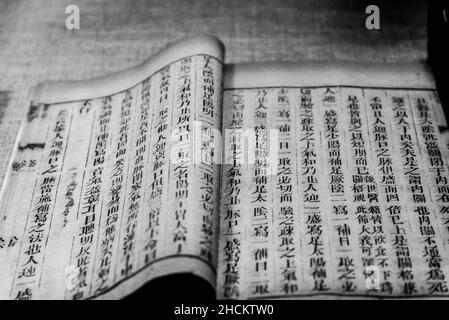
(328, 73)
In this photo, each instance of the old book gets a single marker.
(274, 180)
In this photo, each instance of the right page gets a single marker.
(335, 183)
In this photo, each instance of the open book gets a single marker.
(267, 181)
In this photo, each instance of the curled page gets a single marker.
(104, 192)
(334, 183)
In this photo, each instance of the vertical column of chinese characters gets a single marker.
(370, 223)
(59, 273)
(157, 175)
(30, 263)
(115, 255)
(285, 190)
(391, 195)
(149, 217)
(113, 192)
(114, 196)
(442, 183)
(310, 183)
(437, 179)
(133, 208)
(208, 154)
(419, 206)
(230, 250)
(335, 159)
(181, 167)
(259, 227)
(23, 175)
(84, 241)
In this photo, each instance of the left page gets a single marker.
(102, 195)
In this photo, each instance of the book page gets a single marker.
(103, 193)
(334, 183)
